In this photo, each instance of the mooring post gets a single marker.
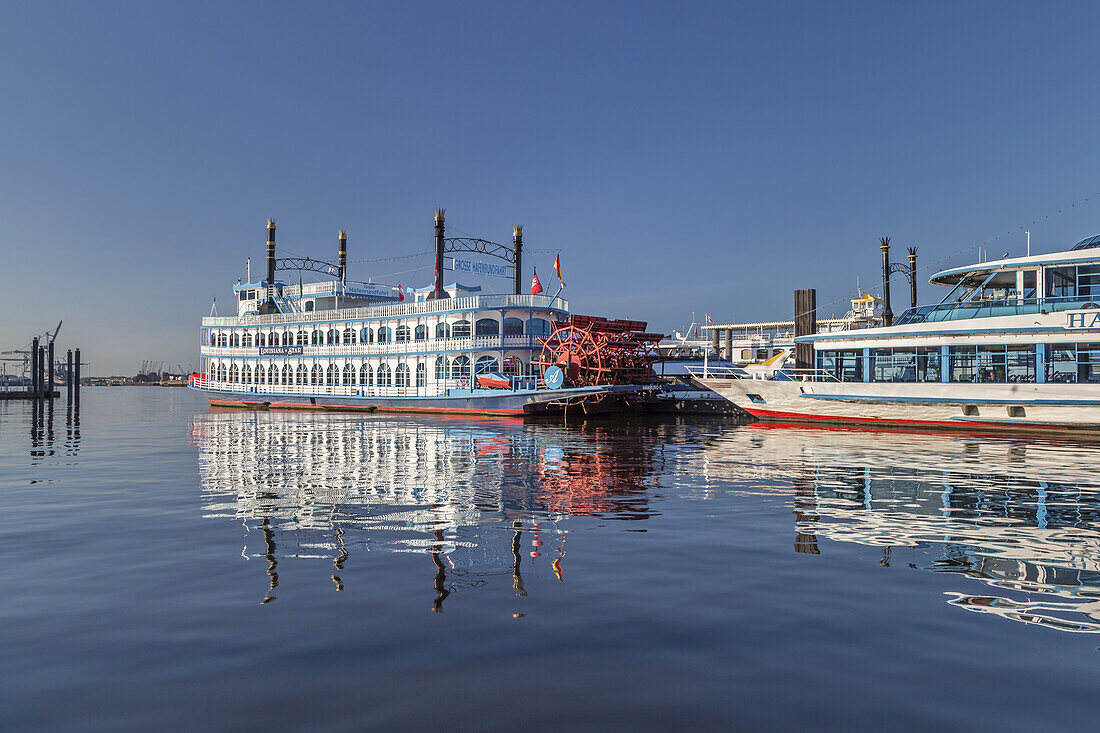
(805, 324)
(729, 344)
(34, 367)
(49, 370)
(517, 255)
(76, 376)
(69, 374)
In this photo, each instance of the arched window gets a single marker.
(401, 334)
(246, 374)
(460, 367)
(421, 332)
(440, 367)
(261, 339)
(246, 340)
(316, 375)
(486, 364)
(442, 330)
(332, 375)
(402, 375)
(366, 378)
(349, 335)
(303, 375)
(487, 327)
(383, 335)
(349, 374)
(513, 327)
(538, 327)
(213, 339)
(366, 336)
(288, 374)
(384, 375)
(287, 338)
(460, 329)
(303, 338)
(233, 373)
(421, 374)
(235, 340)
(513, 366)
(317, 338)
(333, 336)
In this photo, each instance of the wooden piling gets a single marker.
(805, 324)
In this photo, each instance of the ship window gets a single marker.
(349, 374)
(317, 338)
(513, 327)
(756, 399)
(235, 339)
(1088, 363)
(366, 377)
(383, 334)
(233, 373)
(288, 374)
(970, 410)
(302, 376)
(443, 330)
(963, 359)
(303, 338)
(401, 334)
(1061, 282)
(333, 336)
(843, 365)
(402, 375)
(538, 327)
(460, 367)
(366, 336)
(384, 375)
(1015, 411)
(246, 374)
(440, 368)
(316, 375)
(460, 329)
(332, 374)
(486, 364)
(242, 295)
(246, 340)
(309, 306)
(421, 374)
(421, 332)
(287, 338)
(213, 339)
(487, 327)
(261, 339)
(513, 366)
(349, 335)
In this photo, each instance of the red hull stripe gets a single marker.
(776, 415)
(300, 406)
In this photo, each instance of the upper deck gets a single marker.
(1036, 284)
(398, 310)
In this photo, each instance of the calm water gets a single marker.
(168, 566)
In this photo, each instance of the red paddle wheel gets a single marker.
(597, 351)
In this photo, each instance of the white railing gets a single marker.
(468, 303)
(475, 343)
(438, 388)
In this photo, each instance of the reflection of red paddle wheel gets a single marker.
(598, 484)
(597, 351)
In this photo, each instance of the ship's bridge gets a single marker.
(1055, 281)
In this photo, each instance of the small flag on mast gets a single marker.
(536, 286)
(710, 321)
(557, 266)
(400, 293)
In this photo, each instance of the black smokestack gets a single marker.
(343, 262)
(887, 314)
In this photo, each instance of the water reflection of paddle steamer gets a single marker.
(465, 492)
(1022, 518)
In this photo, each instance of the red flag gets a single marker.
(536, 286)
(557, 266)
(400, 293)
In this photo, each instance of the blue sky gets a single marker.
(683, 157)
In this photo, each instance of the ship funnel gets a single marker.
(517, 257)
(343, 262)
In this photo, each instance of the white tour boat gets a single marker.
(1015, 344)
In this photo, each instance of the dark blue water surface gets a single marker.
(167, 566)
